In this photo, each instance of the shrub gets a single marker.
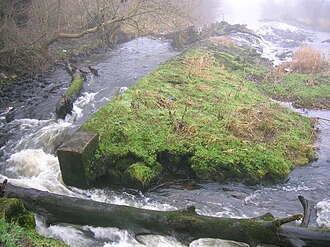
(308, 60)
(225, 41)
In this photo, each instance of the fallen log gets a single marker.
(304, 237)
(186, 225)
(65, 104)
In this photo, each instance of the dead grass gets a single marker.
(224, 41)
(306, 60)
(199, 65)
(253, 124)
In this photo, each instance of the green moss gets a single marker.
(17, 226)
(12, 235)
(12, 210)
(204, 105)
(305, 90)
(142, 173)
(75, 87)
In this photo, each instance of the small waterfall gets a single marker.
(30, 159)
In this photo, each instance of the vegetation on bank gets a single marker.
(305, 80)
(12, 235)
(35, 34)
(17, 226)
(203, 115)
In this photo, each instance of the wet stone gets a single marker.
(75, 158)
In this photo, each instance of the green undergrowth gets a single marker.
(12, 210)
(13, 235)
(17, 226)
(202, 112)
(310, 91)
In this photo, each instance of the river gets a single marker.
(29, 156)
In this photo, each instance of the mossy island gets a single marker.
(205, 114)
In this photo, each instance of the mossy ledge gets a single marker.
(311, 91)
(201, 115)
(17, 226)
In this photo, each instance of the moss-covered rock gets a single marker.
(203, 115)
(65, 104)
(140, 175)
(75, 87)
(17, 226)
(12, 210)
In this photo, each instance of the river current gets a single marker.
(29, 159)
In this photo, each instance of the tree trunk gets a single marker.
(186, 225)
(65, 104)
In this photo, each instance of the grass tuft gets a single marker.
(306, 60)
(224, 41)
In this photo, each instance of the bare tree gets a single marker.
(142, 15)
(59, 21)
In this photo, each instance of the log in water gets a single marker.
(186, 224)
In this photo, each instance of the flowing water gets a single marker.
(29, 156)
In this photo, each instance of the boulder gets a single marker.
(75, 157)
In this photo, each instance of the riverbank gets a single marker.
(304, 81)
(17, 226)
(200, 115)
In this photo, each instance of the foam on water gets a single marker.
(85, 236)
(323, 213)
(123, 198)
(297, 188)
(31, 163)
(68, 234)
(33, 168)
(228, 211)
(47, 137)
(158, 241)
(78, 106)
